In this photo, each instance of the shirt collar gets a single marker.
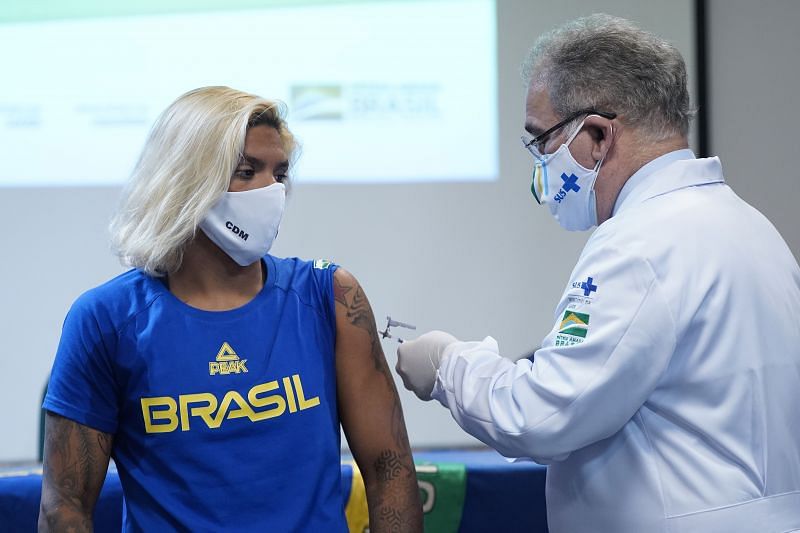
(647, 170)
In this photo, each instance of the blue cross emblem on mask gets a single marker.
(570, 182)
(588, 287)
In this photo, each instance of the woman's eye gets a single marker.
(280, 178)
(244, 172)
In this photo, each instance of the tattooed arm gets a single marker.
(371, 414)
(75, 465)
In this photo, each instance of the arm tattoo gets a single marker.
(390, 465)
(67, 524)
(104, 443)
(394, 504)
(398, 508)
(76, 460)
(393, 518)
(340, 291)
(359, 314)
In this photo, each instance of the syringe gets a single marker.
(394, 324)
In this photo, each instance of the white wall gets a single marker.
(474, 259)
(754, 60)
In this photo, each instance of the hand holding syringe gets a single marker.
(394, 324)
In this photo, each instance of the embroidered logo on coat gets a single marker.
(574, 323)
(322, 264)
(573, 328)
(588, 286)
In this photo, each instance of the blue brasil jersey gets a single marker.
(222, 420)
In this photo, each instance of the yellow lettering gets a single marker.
(275, 399)
(301, 398)
(203, 412)
(213, 368)
(163, 414)
(287, 384)
(150, 415)
(243, 410)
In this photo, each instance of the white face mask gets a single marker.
(244, 224)
(566, 187)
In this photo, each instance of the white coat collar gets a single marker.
(667, 173)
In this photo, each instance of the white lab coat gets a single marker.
(678, 410)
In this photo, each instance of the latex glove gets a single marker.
(419, 360)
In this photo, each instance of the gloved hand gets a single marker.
(418, 361)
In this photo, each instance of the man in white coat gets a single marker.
(666, 397)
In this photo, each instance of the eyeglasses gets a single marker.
(536, 145)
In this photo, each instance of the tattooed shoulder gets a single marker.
(356, 311)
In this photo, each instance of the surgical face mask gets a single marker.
(244, 224)
(566, 187)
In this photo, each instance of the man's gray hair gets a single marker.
(609, 64)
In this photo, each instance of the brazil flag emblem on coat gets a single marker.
(574, 323)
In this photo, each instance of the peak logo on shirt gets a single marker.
(227, 362)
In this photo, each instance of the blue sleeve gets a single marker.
(82, 385)
(330, 297)
(323, 272)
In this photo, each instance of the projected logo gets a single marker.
(365, 101)
(317, 102)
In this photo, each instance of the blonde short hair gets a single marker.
(184, 168)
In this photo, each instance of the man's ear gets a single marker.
(601, 131)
